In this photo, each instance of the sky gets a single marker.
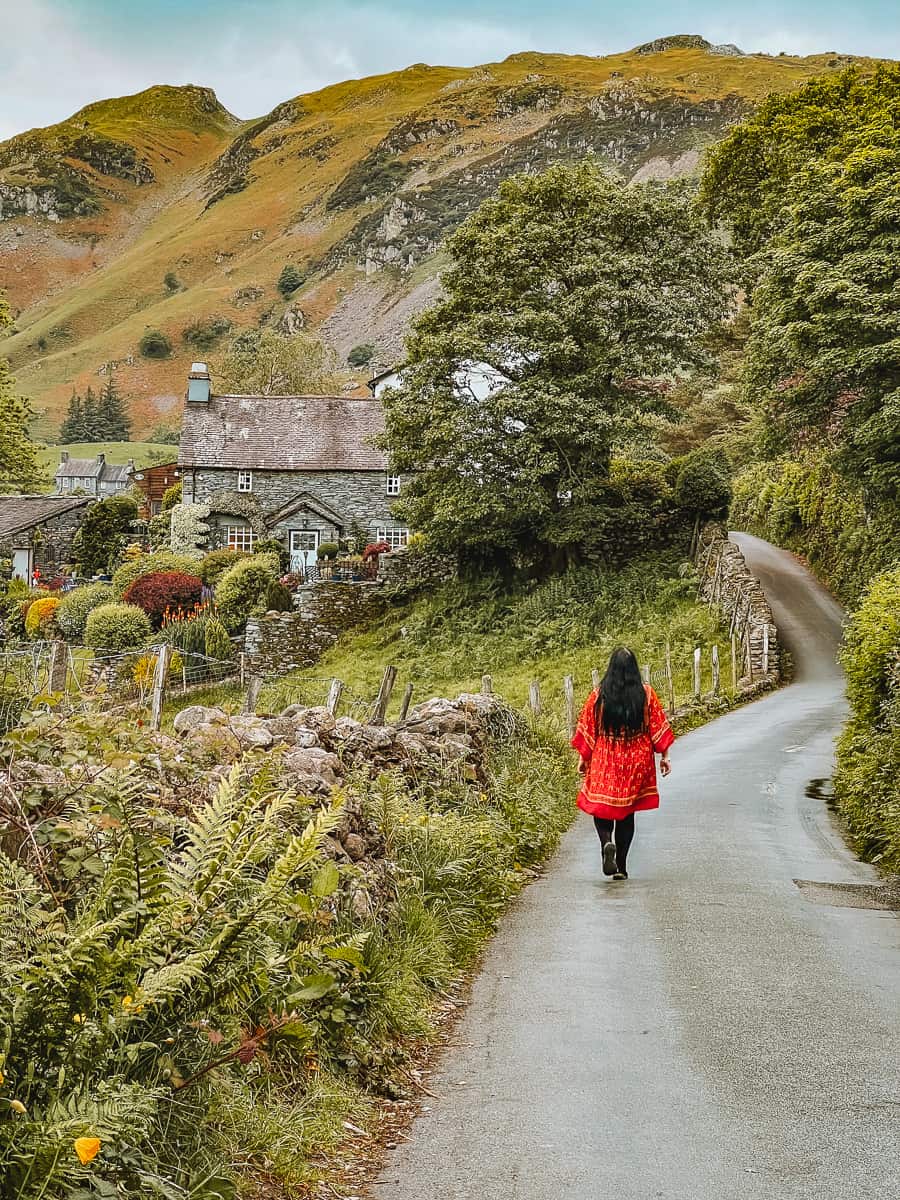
(57, 55)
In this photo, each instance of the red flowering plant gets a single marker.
(164, 593)
(291, 581)
(374, 549)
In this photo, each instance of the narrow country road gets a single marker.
(709, 1030)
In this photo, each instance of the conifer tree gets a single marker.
(112, 415)
(91, 424)
(72, 429)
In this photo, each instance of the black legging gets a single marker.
(624, 832)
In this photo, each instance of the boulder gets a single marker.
(355, 845)
(314, 769)
(196, 714)
(304, 738)
(253, 733)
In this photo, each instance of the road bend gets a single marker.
(710, 1029)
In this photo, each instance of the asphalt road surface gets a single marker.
(709, 1029)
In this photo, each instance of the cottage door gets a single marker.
(21, 565)
(304, 544)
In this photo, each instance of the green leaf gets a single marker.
(314, 987)
(325, 880)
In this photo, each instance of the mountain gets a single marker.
(356, 185)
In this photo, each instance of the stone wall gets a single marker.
(281, 642)
(406, 571)
(727, 581)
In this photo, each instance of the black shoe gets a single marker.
(609, 858)
(620, 875)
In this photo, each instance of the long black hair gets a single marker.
(621, 704)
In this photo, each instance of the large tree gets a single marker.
(19, 469)
(587, 297)
(810, 186)
(112, 415)
(268, 363)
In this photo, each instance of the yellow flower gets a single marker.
(127, 1001)
(18, 1107)
(87, 1149)
(2, 1078)
(78, 1018)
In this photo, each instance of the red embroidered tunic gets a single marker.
(621, 771)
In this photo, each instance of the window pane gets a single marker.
(393, 485)
(395, 538)
(245, 481)
(239, 537)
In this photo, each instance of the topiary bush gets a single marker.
(217, 643)
(328, 550)
(278, 598)
(161, 593)
(213, 566)
(39, 619)
(272, 545)
(117, 627)
(76, 606)
(147, 564)
(241, 591)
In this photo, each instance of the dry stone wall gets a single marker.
(727, 581)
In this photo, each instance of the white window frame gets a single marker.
(245, 481)
(392, 485)
(396, 537)
(239, 537)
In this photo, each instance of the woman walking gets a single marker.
(621, 727)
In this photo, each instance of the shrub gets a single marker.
(117, 627)
(103, 534)
(278, 598)
(374, 549)
(155, 344)
(162, 592)
(188, 632)
(40, 615)
(702, 486)
(204, 335)
(217, 643)
(144, 669)
(361, 355)
(76, 606)
(290, 279)
(868, 757)
(273, 546)
(159, 560)
(213, 566)
(242, 590)
(171, 282)
(172, 496)
(328, 550)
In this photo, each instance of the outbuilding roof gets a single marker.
(18, 513)
(283, 433)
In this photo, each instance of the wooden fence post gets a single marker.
(670, 680)
(697, 653)
(334, 696)
(715, 670)
(734, 674)
(645, 672)
(404, 703)
(384, 696)
(160, 675)
(487, 685)
(254, 687)
(243, 670)
(595, 679)
(569, 692)
(534, 698)
(59, 667)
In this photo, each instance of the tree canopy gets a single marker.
(586, 297)
(19, 469)
(268, 363)
(811, 185)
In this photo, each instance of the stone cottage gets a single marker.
(93, 477)
(302, 469)
(37, 532)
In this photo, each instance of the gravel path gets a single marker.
(710, 1029)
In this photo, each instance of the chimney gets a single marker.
(101, 459)
(64, 457)
(198, 384)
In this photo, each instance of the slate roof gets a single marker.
(87, 468)
(18, 513)
(283, 433)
